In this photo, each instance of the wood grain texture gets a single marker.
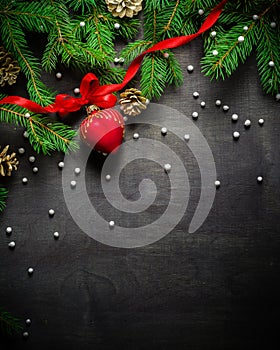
(215, 289)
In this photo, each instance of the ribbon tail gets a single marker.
(25, 103)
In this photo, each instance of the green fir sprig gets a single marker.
(3, 197)
(9, 323)
(243, 27)
(44, 135)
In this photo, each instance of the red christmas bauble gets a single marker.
(103, 130)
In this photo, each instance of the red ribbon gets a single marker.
(102, 96)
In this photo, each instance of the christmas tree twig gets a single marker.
(44, 135)
(3, 197)
(9, 323)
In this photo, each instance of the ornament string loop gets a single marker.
(102, 95)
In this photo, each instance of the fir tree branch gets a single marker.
(44, 135)
(15, 41)
(9, 323)
(134, 49)
(268, 50)
(3, 197)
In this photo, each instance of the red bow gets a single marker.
(64, 103)
(102, 96)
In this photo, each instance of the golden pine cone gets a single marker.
(8, 162)
(132, 102)
(9, 68)
(124, 8)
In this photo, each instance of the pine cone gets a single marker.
(8, 162)
(132, 102)
(124, 8)
(9, 68)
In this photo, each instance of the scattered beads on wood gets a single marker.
(195, 115)
(234, 117)
(24, 180)
(12, 245)
(236, 135)
(167, 168)
(9, 230)
(51, 212)
(196, 94)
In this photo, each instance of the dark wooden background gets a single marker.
(215, 289)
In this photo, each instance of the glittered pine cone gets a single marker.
(9, 68)
(132, 102)
(8, 162)
(124, 8)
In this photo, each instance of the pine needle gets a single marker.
(3, 197)
(9, 323)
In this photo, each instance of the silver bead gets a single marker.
(218, 103)
(215, 52)
(255, 17)
(164, 131)
(12, 245)
(202, 104)
(271, 64)
(117, 26)
(77, 171)
(30, 270)
(73, 183)
(76, 91)
(190, 68)
(136, 136)
(273, 25)
(21, 150)
(51, 212)
(236, 135)
(245, 28)
(28, 321)
(9, 230)
(111, 224)
(240, 39)
(25, 134)
(247, 123)
(217, 183)
(31, 159)
(35, 170)
(167, 168)
(108, 177)
(261, 121)
(200, 12)
(116, 60)
(259, 179)
(166, 55)
(56, 235)
(234, 117)
(61, 165)
(82, 24)
(121, 60)
(213, 33)
(277, 97)
(25, 334)
(58, 75)
(27, 115)
(195, 115)
(195, 94)
(24, 180)
(186, 137)
(225, 108)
